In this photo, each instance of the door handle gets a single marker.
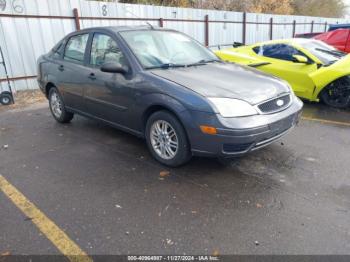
(61, 68)
(92, 76)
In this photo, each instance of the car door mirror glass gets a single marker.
(300, 59)
(112, 67)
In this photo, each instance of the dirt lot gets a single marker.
(102, 189)
(24, 99)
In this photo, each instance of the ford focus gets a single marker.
(165, 87)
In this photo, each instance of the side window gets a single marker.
(104, 49)
(278, 51)
(75, 48)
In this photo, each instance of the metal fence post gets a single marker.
(271, 28)
(244, 27)
(312, 26)
(206, 30)
(294, 27)
(161, 22)
(76, 19)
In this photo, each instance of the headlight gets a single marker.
(229, 107)
(288, 85)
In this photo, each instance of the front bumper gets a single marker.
(238, 136)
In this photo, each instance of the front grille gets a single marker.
(274, 105)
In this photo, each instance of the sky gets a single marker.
(347, 2)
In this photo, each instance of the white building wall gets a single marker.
(23, 40)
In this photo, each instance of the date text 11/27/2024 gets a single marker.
(173, 258)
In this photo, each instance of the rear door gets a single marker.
(71, 70)
(283, 65)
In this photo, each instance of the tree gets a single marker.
(283, 7)
(323, 8)
(228, 5)
(178, 3)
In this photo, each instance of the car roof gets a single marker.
(338, 26)
(115, 29)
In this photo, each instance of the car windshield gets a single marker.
(325, 53)
(165, 49)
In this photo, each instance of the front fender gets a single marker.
(326, 75)
(157, 100)
(161, 100)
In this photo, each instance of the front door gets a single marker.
(108, 96)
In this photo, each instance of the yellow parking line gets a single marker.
(325, 121)
(60, 239)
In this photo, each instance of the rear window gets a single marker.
(75, 48)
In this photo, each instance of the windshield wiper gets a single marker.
(172, 65)
(204, 62)
(332, 52)
(166, 66)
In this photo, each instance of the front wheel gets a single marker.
(57, 107)
(167, 139)
(337, 94)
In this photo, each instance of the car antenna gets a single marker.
(148, 23)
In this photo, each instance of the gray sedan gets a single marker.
(164, 86)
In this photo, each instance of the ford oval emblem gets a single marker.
(280, 102)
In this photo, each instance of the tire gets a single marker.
(57, 107)
(6, 98)
(163, 131)
(337, 94)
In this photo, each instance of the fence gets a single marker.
(30, 28)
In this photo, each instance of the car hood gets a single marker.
(327, 74)
(226, 80)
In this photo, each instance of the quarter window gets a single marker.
(75, 48)
(104, 49)
(57, 50)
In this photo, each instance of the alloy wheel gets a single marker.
(56, 105)
(164, 139)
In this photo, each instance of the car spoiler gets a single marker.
(307, 35)
(234, 44)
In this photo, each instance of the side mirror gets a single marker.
(300, 59)
(112, 67)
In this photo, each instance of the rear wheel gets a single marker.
(57, 107)
(337, 94)
(167, 139)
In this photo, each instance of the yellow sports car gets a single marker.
(315, 70)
